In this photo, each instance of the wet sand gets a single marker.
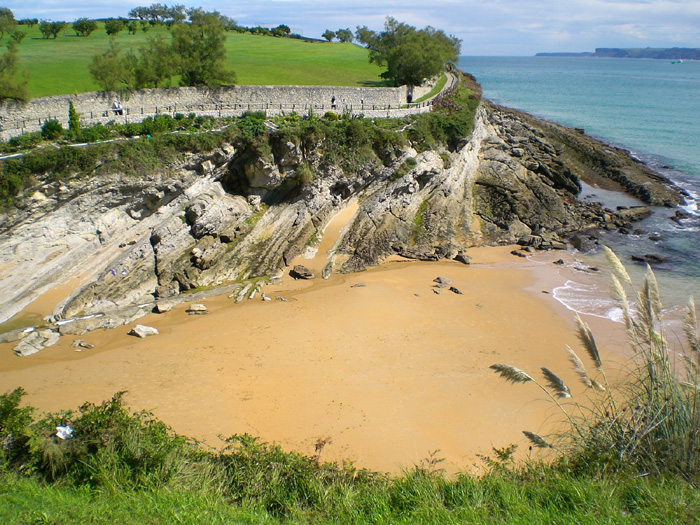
(390, 371)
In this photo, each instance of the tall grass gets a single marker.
(648, 424)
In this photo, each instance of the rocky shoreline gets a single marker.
(233, 219)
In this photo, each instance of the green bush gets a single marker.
(94, 133)
(28, 140)
(252, 124)
(52, 129)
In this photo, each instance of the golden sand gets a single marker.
(390, 371)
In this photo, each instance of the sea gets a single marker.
(650, 108)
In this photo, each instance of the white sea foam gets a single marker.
(589, 299)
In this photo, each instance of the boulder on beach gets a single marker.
(36, 341)
(197, 309)
(327, 271)
(442, 282)
(142, 331)
(301, 272)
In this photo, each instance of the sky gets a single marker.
(486, 27)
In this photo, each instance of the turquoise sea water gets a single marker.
(650, 107)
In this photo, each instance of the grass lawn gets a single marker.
(60, 66)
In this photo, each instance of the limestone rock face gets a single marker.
(263, 173)
(235, 214)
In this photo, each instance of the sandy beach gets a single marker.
(376, 361)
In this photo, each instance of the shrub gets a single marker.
(305, 174)
(28, 140)
(94, 133)
(52, 129)
(73, 121)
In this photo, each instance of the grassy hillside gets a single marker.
(60, 66)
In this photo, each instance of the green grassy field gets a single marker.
(60, 66)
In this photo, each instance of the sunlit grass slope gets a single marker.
(60, 66)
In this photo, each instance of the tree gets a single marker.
(17, 36)
(84, 26)
(344, 35)
(73, 121)
(201, 51)
(11, 88)
(29, 22)
(111, 70)
(328, 35)
(51, 29)
(281, 30)
(7, 21)
(156, 63)
(229, 23)
(113, 26)
(410, 55)
(133, 27)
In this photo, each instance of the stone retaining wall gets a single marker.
(96, 104)
(95, 107)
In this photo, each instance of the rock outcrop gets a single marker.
(236, 213)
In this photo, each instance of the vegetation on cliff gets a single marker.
(157, 142)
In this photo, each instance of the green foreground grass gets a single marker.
(60, 66)
(413, 497)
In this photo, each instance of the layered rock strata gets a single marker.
(236, 214)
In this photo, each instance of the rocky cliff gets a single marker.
(237, 213)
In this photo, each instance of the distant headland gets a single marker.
(673, 53)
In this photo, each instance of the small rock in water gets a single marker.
(650, 258)
(456, 290)
(197, 309)
(436, 291)
(280, 298)
(142, 331)
(559, 262)
(519, 253)
(358, 285)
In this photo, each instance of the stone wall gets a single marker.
(96, 105)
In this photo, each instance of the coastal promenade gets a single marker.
(96, 107)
